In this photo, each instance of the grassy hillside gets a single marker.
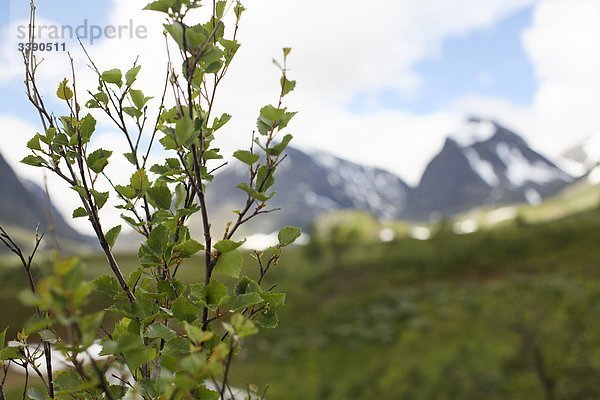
(505, 313)
(508, 313)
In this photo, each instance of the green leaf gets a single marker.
(159, 331)
(34, 143)
(48, 336)
(98, 160)
(287, 86)
(280, 147)
(225, 246)
(158, 241)
(87, 126)
(131, 157)
(36, 394)
(139, 181)
(159, 5)
(176, 31)
(131, 75)
(196, 334)
(3, 338)
(268, 118)
(126, 191)
(64, 92)
(187, 249)
(108, 285)
(214, 295)
(133, 112)
(243, 326)
(246, 285)
(268, 319)
(67, 381)
(185, 132)
(114, 76)
(100, 198)
(184, 310)
(161, 197)
(220, 8)
(230, 264)
(80, 213)
(138, 98)
(276, 301)
(35, 161)
(177, 347)
(220, 122)
(246, 300)
(253, 192)
(112, 234)
(246, 157)
(288, 235)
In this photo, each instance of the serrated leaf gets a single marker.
(131, 75)
(246, 157)
(161, 197)
(159, 331)
(34, 393)
(184, 131)
(230, 264)
(48, 336)
(288, 235)
(34, 143)
(87, 126)
(112, 235)
(34, 161)
(100, 198)
(139, 181)
(280, 147)
(114, 76)
(98, 160)
(80, 213)
(159, 5)
(107, 285)
(184, 310)
(246, 300)
(220, 122)
(64, 92)
(287, 86)
(138, 98)
(225, 246)
(187, 249)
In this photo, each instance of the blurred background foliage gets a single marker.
(508, 312)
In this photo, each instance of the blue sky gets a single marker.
(489, 61)
(482, 57)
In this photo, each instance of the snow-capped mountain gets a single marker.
(584, 158)
(308, 185)
(495, 166)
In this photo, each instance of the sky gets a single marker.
(381, 82)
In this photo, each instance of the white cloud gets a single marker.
(340, 48)
(563, 46)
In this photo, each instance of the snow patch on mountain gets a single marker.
(519, 170)
(533, 197)
(360, 183)
(473, 131)
(483, 168)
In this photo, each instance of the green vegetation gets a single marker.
(505, 313)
